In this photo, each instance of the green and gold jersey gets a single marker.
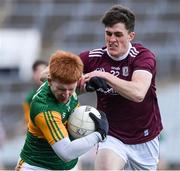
(47, 125)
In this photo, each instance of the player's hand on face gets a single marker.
(95, 83)
(102, 125)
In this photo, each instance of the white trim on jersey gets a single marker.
(133, 52)
(96, 53)
(141, 70)
(98, 49)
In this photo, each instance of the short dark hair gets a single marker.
(37, 63)
(119, 14)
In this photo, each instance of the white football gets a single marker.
(79, 123)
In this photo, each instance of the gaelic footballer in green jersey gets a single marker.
(48, 145)
(47, 126)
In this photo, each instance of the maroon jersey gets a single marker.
(130, 122)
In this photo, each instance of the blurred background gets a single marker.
(34, 29)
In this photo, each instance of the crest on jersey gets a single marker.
(125, 71)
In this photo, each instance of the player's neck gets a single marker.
(122, 56)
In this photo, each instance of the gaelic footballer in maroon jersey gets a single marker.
(130, 102)
(130, 122)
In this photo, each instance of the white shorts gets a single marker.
(143, 156)
(23, 166)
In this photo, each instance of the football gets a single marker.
(79, 123)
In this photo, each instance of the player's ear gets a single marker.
(131, 36)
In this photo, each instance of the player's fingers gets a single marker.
(93, 117)
(103, 115)
(86, 77)
(100, 82)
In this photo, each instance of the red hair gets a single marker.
(65, 66)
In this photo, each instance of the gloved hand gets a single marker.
(95, 83)
(102, 125)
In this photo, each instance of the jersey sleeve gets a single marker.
(145, 61)
(50, 123)
(84, 57)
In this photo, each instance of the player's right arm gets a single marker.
(54, 131)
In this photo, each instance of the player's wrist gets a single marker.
(99, 136)
(103, 134)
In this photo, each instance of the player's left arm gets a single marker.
(68, 150)
(54, 131)
(134, 90)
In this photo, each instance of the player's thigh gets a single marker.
(111, 154)
(108, 160)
